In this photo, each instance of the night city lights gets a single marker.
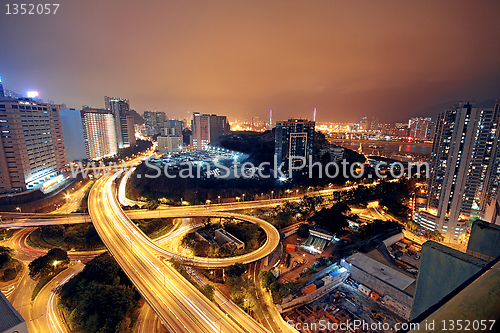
(249, 166)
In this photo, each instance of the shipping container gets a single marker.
(310, 288)
(401, 264)
(290, 247)
(364, 290)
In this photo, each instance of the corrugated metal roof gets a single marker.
(9, 317)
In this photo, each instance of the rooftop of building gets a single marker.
(9, 317)
(380, 271)
(455, 253)
(229, 236)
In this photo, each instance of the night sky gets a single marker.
(241, 58)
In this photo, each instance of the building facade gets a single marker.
(32, 146)
(99, 133)
(464, 170)
(153, 122)
(124, 122)
(207, 128)
(420, 129)
(169, 144)
(72, 129)
(293, 137)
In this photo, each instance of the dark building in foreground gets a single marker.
(443, 269)
(293, 137)
(10, 320)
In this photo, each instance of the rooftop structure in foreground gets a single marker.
(10, 319)
(227, 240)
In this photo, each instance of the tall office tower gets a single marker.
(32, 147)
(1, 88)
(464, 170)
(375, 123)
(207, 128)
(154, 122)
(124, 123)
(72, 130)
(294, 137)
(99, 133)
(420, 128)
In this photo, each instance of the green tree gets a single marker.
(303, 231)
(44, 265)
(5, 255)
(235, 270)
(266, 278)
(331, 219)
(209, 292)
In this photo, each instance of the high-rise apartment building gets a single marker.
(1, 88)
(99, 133)
(207, 128)
(32, 147)
(420, 129)
(154, 122)
(464, 169)
(124, 122)
(172, 127)
(293, 137)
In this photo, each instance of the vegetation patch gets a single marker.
(9, 267)
(100, 299)
(81, 237)
(154, 228)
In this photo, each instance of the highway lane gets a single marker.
(179, 305)
(45, 310)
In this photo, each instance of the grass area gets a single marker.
(81, 237)
(6, 234)
(155, 228)
(43, 281)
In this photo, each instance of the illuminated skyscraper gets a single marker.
(207, 128)
(124, 123)
(99, 133)
(1, 88)
(32, 147)
(464, 169)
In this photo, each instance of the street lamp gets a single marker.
(243, 196)
(218, 199)
(272, 195)
(19, 209)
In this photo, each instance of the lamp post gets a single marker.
(272, 195)
(19, 209)
(243, 197)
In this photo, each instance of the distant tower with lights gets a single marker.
(1, 88)
(293, 137)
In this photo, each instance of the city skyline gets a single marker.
(243, 59)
